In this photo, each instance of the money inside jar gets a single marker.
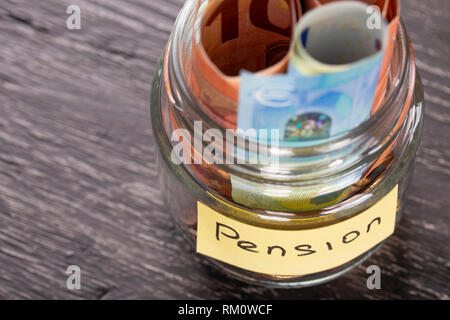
(242, 46)
(336, 82)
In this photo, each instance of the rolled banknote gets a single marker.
(390, 9)
(286, 198)
(329, 89)
(312, 4)
(232, 35)
(331, 80)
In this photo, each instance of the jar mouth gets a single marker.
(180, 55)
(319, 158)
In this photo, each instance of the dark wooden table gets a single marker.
(77, 165)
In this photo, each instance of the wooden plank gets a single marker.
(78, 176)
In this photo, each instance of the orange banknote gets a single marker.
(392, 14)
(254, 35)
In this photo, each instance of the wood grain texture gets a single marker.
(78, 176)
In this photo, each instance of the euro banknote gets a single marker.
(390, 10)
(231, 35)
(331, 80)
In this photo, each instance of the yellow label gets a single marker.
(294, 252)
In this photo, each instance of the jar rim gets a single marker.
(369, 137)
(330, 144)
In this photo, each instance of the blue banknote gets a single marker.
(308, 107)
(331, 81)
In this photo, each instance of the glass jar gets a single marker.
(364, 171)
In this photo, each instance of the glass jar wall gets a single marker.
(337, 179)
